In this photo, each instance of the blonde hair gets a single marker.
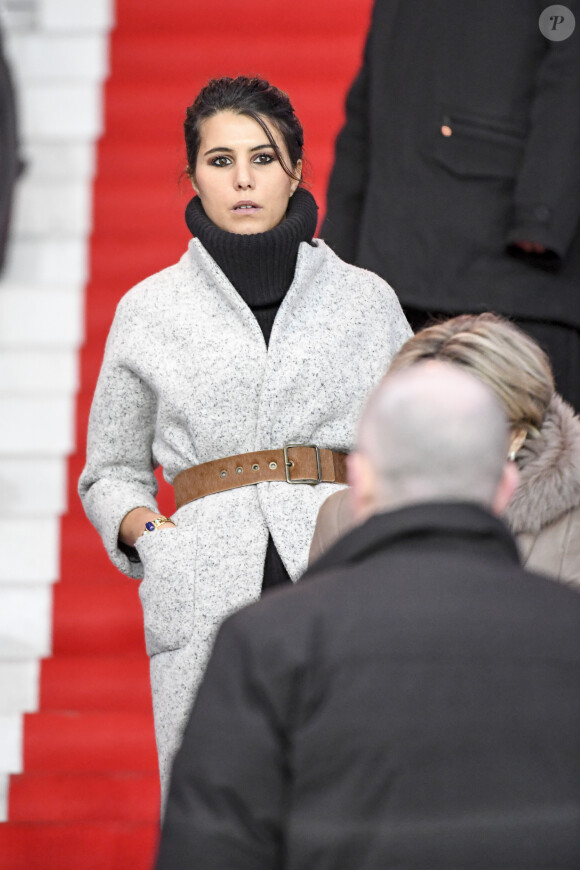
(496, 352)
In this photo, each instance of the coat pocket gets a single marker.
(167, 591)
(476, 146)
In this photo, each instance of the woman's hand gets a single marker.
(133, 525)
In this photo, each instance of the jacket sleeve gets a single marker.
(334, 520)
(9, 160)
(570, 553)
(228, 787)
(118, 475)
(348, 180)
(547, 194)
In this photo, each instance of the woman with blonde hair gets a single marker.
(544, 513)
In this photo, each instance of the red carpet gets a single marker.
(88, 799)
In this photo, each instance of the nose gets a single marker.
(244, 176)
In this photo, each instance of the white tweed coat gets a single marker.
(187, 378)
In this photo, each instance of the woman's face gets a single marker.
(238, 178)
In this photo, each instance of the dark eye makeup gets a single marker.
(261, 159)
(264, 158)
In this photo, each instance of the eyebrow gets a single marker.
(230, 150)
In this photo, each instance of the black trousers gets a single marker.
(275, 573)
(559, 341)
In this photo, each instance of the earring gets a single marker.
(512, 456)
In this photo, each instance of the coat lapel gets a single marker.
(216, 280)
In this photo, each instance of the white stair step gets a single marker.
(37, 425)
(34, 487)
(41, 317)
(42, 56)
(19, 687)
(63, 161)
(25, 621)
(59, 262)
(30, 549)
(4, 780)
(52, 208)
(36, 371)
(11, 744)
(61, 112)
(72, 16)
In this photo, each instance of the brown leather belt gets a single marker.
(295, 463)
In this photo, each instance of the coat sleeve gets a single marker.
(9, 159)
(119, 473)
(348, 180)
(227, 796)
(547, 194)
(570, 553)
(334, 520)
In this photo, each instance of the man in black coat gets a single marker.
(457, 173)
(413, 704)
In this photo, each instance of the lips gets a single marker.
(246, 206)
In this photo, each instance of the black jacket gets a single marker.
(435, 214)
(10, 165)
(414, 705)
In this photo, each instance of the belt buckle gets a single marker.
(311, 481)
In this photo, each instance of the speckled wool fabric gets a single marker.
(187, 378)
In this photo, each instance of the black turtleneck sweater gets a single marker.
(261, 268)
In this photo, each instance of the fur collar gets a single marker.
(549, 468)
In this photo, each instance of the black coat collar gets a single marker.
(430, 519)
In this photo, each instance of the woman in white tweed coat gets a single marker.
(193, 372)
